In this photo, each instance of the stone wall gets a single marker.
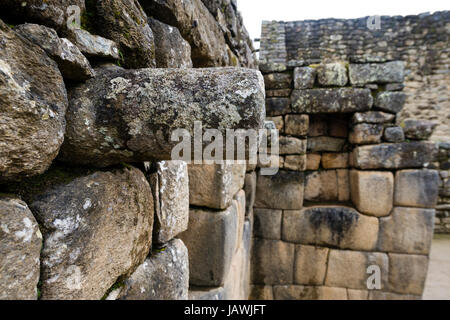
(443, 206)
(355, 191)
(421, 41)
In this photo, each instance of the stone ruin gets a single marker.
(93, 207)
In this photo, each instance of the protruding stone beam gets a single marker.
(130, 115)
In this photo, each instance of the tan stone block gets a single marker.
(261, 293)
(416, 188)
(372, 192)
(334, 160)
(313, 161)
(365, 133)
(407, 230)
(383, 295)
(295, 162)
(296, 124)
(407, 273)
(279, 122)
(298, 292)
(349, 268)
(291, 145)
(267, 223)
(355, 294)
(343, 181)
(321, 186)
(310, 265)
(342, 227)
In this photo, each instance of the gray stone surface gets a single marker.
(361, 74)
(310, 265)
(418, 129)
(291, 145)
(332, 144)
(416, 188)
(365, 133)
(372, 117)
(304, 77)
(297, 292)
(278, 81)
(277, 106)
(206, 293)
(407, 273)
(296, 124)
(332, 74)
(93, 45)
(390, 101)
(267, 223)
(394, 134)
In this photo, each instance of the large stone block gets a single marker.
(361, 74)
(321, 186)
(278, 81)
(20, 247)
(295, 162)
(304, 77)
(129, 115)
(313, 161)
(416, 188)
(372, 192)
(372, 117)
(310, 265)
(394, 134)
(163, 276)
(267, 223)
(296, 124)
(170, 187)
(342, 227)
(283, 190)
(211, 242)
(272, 262)
(93, 45)
(330, 144)
(349, 268)
(332, 74)
(407, 230)
(97, 228)
(296, 292)
(292, 145)
(334, 160)
(261, 292)
(277, 106)
(331, 100)
(390, 101)
(214, 185)
(418, 129)
(394, 155)
(366, 133)
(407, 273)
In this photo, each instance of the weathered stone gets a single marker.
(206, 293)
(296, 124)
(283, 190)
(273, 262)
(270, 67)
(124, 22)
(418, 129)
(365, 133)
(361, 74)
(325, 144)
(278, 81)
(321, 186)
(334, 160)
(295, 162)
(313, 161)
(250, 192)
(342, 227)
(32, 118)
(394, 156)
(355, 294)
(296, 292)
(20, 246)
(278, 121)
(171, 50)
(383, 295)
(162, 276)
(394, 87)
(272, 161)
(170, 187)
(278, 93)
(407, 230)
(393, 134)
(304, 78)
(71, 62)
(237, 282)
(416, 188)
(211, 242)
(267, 223)
(372, 117)
(94, 45)
(318, 126)
(332, 74)
(372, 192)
(260, 292)
(97, 228)
(390, 101)
(407, 273)
(348, 269)
(214, 185)
(331, 100)
(149, 104)
(343, 184)
(310, 265)
(292, 145)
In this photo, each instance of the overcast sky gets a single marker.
(255, 11)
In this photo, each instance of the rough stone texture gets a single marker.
(355, 294)
(71, 62)
(277, 81)
(372, 192)
(332, 74)
(313, 161)
(331, 100)
(32, 119)
(296, 292)
(349, 268)
(416, 188)
(330, 144)
(162, 276)
(277, 93)
(365, 133)
(93, 45)
(372, 117)
(261, 293)
(310, 265)
(129, 115)
(170, 187)
(393, 134)
(277, 106)
(211, 242)
(407, 230)
(382, 295)
(343, 184)
(296, 124)
(214, 185)
(171, 50)
(272, 262)
(97, 228)
(390, 101)
(278, 121)
(394, 156)
(292, 145)
(407, 273)
(20, 247)
(267, 223)
(361, 74)
(342, 227)
(321, 186)
(295, 162)
(335, 160)
(418, 129)
(304, 77)
(283, 190)
(124, 22)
